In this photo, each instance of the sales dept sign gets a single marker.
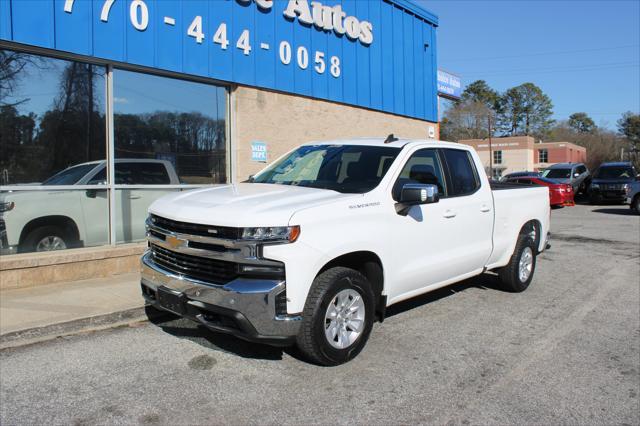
(259, 151)
(326, 18)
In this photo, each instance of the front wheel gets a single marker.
(635, 204)
(518, 273)
(337, 317)
(45, 238)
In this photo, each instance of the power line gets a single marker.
(558, 67)
(525, 71)
(557, 52)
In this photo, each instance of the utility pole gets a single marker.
(490, 149)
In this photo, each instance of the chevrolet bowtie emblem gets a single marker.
(174, 242)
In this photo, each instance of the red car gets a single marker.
(560, 194)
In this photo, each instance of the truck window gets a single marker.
(70, 176)
(423, 167)
(99, 178)
(141, 174)
(344, 168)
(462, 172)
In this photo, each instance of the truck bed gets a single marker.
(514, 205)
(500, 186)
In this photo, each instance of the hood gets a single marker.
(243, 204)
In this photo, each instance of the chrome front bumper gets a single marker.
(243, 307)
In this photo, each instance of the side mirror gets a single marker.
(91, 193)
(576, 175)
(416, 193)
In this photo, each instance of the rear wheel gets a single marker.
(337, 317)
(518, 273)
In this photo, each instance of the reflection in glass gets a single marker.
(53, 220)
(178, 121)
(131, 212)
(51, 116)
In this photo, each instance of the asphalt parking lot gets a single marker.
(565, 351)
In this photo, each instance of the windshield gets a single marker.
(70, 176)
(342, 168)
(557, 173)
(614, 173)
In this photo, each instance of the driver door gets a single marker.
(420, 252)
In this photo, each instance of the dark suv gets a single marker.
(610, 182)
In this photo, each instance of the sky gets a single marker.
(584, 54)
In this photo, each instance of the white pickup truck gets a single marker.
(314, 248)
(52, 218)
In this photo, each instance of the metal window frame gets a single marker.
(546, 155)
(111, 187)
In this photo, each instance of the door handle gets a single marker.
(135, 197)
(485, 208)
(449, 214)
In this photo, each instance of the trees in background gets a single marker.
(602, 144)
(629, 126)
(581, 122)
(521, 110)
(525, 110)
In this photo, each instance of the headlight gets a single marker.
(272, 233)
(625, 187)
(7, 206)
(595, 186)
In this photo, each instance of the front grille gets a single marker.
(613, 186)
(196, 229)
(195, 267)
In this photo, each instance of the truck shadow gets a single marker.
(189, 330)
(622, 211)
(487, 281)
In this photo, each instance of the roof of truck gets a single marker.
(399, 143)
(616, 164)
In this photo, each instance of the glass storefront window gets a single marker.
(53, 133)
(51, 116)
(53, 220)
(178, 121)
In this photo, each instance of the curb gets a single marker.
(84, 325)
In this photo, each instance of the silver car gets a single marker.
(575, 174)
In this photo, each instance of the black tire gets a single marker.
(635, 204)
(510, 274)
(30, 243)
(311, 340)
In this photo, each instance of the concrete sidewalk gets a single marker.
(50, 305)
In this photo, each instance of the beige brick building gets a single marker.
(521, 153)
(284, 121)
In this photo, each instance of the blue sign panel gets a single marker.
(259, 151)
(377, 54)
(449, 85)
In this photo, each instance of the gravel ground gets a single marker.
(565, 351)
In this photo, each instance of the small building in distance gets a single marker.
(522, 153)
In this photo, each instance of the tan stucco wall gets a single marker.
(285, 121)
(513, 160)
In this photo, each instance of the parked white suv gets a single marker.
(44, 220)
(317, 245)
